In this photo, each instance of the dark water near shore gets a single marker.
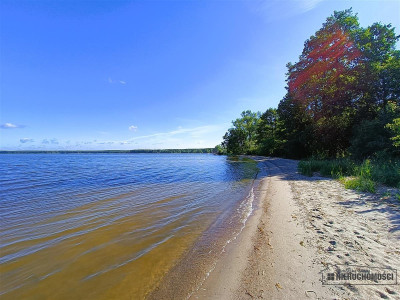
(104, 226)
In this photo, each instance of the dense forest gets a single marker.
(342, 100)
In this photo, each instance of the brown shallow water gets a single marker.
(106, 262)
(111, 227)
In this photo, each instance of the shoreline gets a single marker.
(224, 281)
(186, 277)
(301, 226)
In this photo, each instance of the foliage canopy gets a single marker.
(343, 98)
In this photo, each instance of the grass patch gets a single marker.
(386, 172)
(360, 184)
(365, 176)
(333, 168)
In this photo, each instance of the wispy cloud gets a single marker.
(106, 143)
(277, 9)
(307, 5)
(173, 138)
(180, 137)
(133, 128)
(26, 140)
(11, 126)
(52, 141)
(193, 132)
(112, 81)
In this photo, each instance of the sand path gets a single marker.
(302, 225)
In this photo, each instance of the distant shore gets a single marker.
(188, 150)
(302, 226)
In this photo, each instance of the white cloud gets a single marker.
(133, 128)
(52, 141)
(274, 10)
(106, 143)
(307, 5)
(26, 140)
(10, 126)
(192, 131)
(202, 136)
(111, 81)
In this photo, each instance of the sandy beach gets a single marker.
(300, 226)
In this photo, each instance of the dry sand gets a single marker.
(301, 225)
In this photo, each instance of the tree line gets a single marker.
(342, 100)
(189, 150)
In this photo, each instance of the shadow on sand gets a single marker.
(383, 201)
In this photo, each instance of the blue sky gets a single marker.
(149, 74)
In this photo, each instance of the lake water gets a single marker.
(111, 226)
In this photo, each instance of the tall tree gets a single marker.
(323, 81)
(345, 74)
(343, 96)
(379, 82)
(297, 130)
(269, 133)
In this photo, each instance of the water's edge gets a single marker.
(197, 263)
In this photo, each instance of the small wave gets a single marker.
(247, 208)
(137, 256)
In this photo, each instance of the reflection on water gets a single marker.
(101, 226)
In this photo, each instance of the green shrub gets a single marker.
(382, 170)
(333, 168)
(386, 172)
(361, 184)
(308, 167)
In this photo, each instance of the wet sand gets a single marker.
(303, 224)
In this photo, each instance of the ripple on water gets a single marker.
(109, 225)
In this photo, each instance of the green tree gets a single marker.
(324, 82)
(342, 96)
(219, 149)
(395, 128)
(269, 132)
(296, 135)
(241, 138)
(345, 75)
(379, 81)
(376, 135)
